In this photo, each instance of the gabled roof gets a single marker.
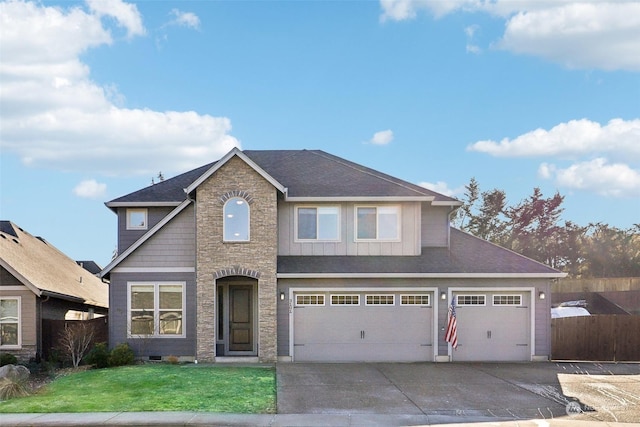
(300, 174)
(45, 270)
(468, 256)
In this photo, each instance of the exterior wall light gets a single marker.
(282, 296)
(541, 295)
(443, 296)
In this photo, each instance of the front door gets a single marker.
(240, 318)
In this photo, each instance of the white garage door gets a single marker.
(493, 326)
(363, 326)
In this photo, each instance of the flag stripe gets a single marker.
(452, 327)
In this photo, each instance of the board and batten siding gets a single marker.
(145, 347)
(128, 237)
(409, 243)
(435, 225)
(172, 246)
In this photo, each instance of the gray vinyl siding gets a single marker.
(409, 243)
(145, 347)
(172, 246)
(542, 326)
(435, 226)
(127, 237)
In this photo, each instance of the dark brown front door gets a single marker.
(240, 318)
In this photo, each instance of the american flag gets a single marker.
(452, 328)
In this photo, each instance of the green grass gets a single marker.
(155, 388)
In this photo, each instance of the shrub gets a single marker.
(8, 359)
(14, 382)
(98, 356)
(173, 360)
(121, 355)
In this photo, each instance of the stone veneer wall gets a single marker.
(257, 258)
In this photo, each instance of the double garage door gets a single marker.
(368, 326)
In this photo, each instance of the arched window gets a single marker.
(236, 220)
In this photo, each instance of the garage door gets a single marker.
(493, 326)
(363, 326)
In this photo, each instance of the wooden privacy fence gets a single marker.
(51, 330)
(601, 337)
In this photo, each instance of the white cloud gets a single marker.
(185, 19)
(90, 189)
(383, 137)
(125, 14)
(597, 175)
(442, 188)
(55, 116)
(618, 138)
(577, 34)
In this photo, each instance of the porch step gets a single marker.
(237, 359)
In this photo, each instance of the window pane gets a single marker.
(387, 223)
(236, 220)
(171, 323)
(142, 297)
(9, 334)
(307, 223)
(366, 223)
(171, 297)
(328, 223)
(141, 323)
(136, 218)
(9, 310)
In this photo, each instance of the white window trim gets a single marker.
(377, 239)
(493, 300)
(393, 300)
(224, 222)
(295, 221)
(19, 345)
(137, 227)
(471, 305)
(344, 295)
(324, 300)
(156, 310)
(428, 304)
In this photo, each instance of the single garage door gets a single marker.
(363, 326)
(493, 326)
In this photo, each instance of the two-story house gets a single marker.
(299, 255)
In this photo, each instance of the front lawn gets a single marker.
(155, 388)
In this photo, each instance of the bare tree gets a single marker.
(75, 340)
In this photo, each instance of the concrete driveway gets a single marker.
(423, 393)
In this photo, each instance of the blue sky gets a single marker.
(99, 96)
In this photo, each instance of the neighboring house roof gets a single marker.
(468, 256)
(46, 270)
(302, 174)
(91, 266)
(560, 312)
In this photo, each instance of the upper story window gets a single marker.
(378, 223)
(318, 223)
(236, 220)
(10, 322)
(137, 219)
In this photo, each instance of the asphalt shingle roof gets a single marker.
(305, 173)
(467, 255)
(41, 265)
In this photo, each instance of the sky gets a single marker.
(98, 97)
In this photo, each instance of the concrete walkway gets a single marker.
(413, 394)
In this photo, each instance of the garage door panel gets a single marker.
(363, 332)
(494, 332)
